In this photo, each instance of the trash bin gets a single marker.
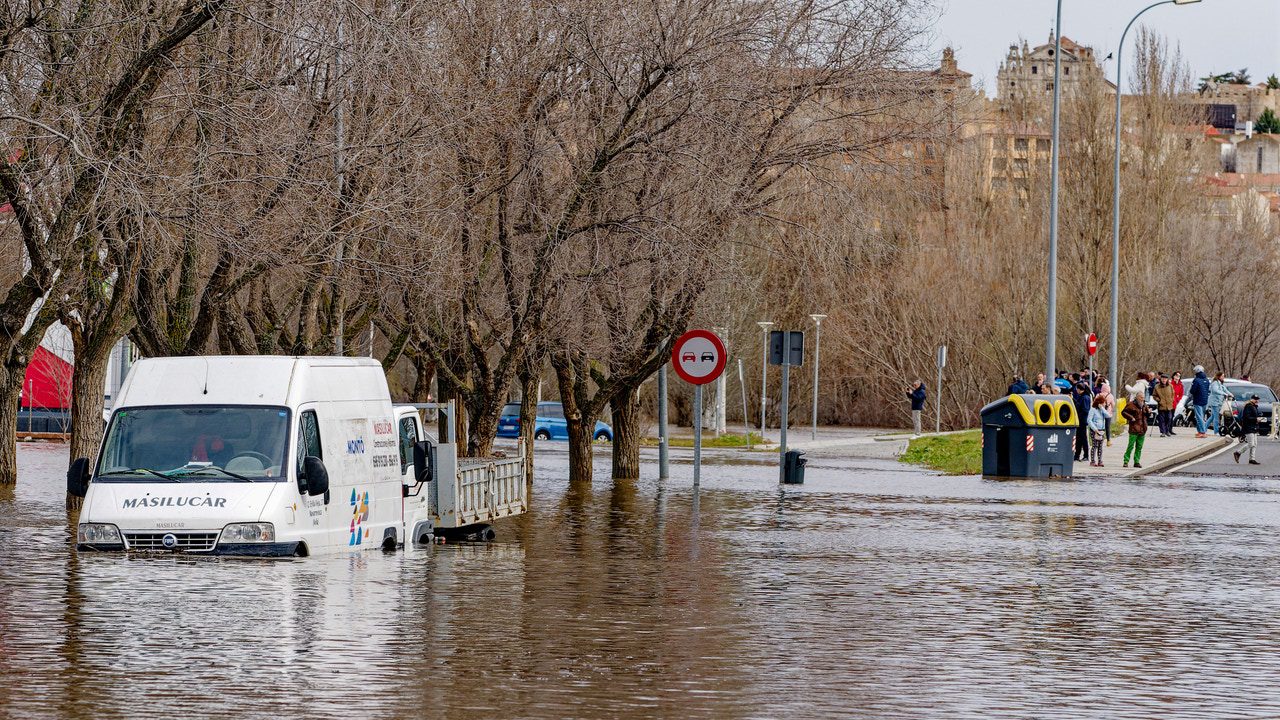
(793, 467)
(1029, 436)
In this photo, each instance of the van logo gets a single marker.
(169, 540)
(355, 447)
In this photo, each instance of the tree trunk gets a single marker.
(10, 387)
(423, 371)
(580, 449)
(528, 419)
(88, 382)
(484, 428)
(626, 434)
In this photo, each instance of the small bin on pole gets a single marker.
(793, 468)
(1029, 436)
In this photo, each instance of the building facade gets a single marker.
(1027, 73)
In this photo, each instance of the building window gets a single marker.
(1066, 71)
(928, 151)
(1034, 69)
(1048, 87)
(999, 163)
(1012, 83)
(1042, 145)
(1259, 158)
(1020, 144)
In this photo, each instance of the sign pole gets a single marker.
(664, 469)
(698, 357)
(746, 421)
(697, 434)
(786, 381)
(942, 362)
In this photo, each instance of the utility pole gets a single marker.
(664, 471)
(1051, 325)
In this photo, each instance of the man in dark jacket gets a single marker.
(916, 395)
(1018, 386)
(1081, 399)
(1249, 426)
(1199, 399)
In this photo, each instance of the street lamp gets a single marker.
(1114, 344)
(1051, 324)
(764, 370)
(817, 348)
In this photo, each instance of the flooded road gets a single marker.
(870, 591)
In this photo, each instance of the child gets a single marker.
(1098, 417)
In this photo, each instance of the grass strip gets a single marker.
(955, 454)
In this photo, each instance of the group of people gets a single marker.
(1096, 404)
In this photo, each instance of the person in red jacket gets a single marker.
(1178, 392)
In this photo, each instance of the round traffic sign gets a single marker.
(1091, 343)
(698, 357)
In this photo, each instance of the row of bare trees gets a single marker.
(474, 192)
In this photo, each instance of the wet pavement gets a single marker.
(871, 591)
(1223, 464)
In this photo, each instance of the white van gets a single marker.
(259, 456)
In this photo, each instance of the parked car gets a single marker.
(548, 425)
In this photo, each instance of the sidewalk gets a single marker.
(1158, 453)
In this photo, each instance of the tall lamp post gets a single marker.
(817, 348)
(1113, 367)
(764, 370)
(1051, 324)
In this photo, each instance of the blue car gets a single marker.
(549, 424)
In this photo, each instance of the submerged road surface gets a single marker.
(871, 591)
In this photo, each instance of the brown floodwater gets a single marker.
(871, 591)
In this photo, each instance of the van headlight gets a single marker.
(248, 533)
(98, 534)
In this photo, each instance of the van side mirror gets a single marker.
(78, 477)
(317, 476)
(424, 461)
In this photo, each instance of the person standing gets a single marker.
(1178, 392)
(916, 395)
(1080, 398)
(1218, 396)
(1018, 386)
(1108, 404)
(1199, 399)
(1249, 426)
(1164, 405)
(1136, 415)
(1099, 420)
(1038, 387)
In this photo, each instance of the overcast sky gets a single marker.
(1214, 35)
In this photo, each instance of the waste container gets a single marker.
(793, 467)
(1029, 436)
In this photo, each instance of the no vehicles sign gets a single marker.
(698, 357)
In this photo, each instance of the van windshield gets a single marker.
(204, 443)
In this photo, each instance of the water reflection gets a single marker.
(868, 591)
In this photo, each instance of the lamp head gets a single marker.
(1185, 2)
(818, 318)
(765, 324)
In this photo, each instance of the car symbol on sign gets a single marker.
(708, 357)
(688, 357)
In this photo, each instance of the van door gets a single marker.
(417, 510)
(314, 510)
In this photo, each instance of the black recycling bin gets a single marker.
(1029, 436)
(793, 467)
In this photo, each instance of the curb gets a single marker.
(1185, 457)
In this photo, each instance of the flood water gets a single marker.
(871, 591)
